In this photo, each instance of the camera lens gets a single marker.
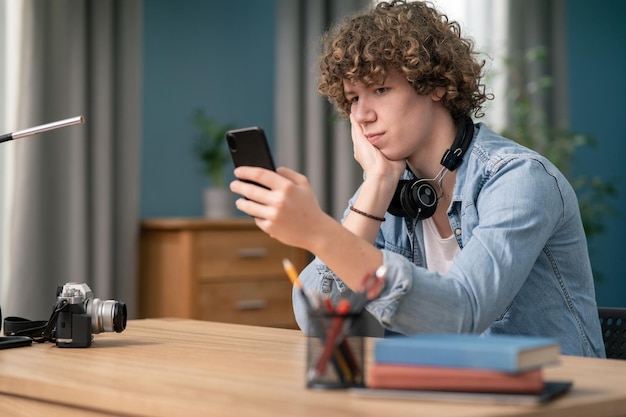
(119, 317)
(106, 315)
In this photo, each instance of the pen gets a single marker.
(343, 308)
(371, 286)
(344, 348)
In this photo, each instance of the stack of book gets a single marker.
(462, 363)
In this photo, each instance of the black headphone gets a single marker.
(417, 198)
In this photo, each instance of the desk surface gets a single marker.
(175, 367)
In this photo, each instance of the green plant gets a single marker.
(530, 126)
(210, 147)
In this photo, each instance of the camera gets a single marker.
(80, 316)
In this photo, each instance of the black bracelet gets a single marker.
(369, 216)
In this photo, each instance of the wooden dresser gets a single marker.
(217, 270)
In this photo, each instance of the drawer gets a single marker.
(239, 253)
(253, 302)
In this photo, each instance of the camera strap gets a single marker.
(18, 326)
(39, 330)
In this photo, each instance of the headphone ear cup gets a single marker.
(422, 197)
(413, 198)
(396, 207)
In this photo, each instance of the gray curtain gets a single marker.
(74, 192)
(534, 26)
(309, 138)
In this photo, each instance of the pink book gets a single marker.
(430, 378)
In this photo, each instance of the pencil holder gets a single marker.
(335, 351)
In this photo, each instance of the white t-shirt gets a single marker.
(439, 251)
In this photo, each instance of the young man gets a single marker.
(491, 242)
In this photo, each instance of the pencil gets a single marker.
(291, 272)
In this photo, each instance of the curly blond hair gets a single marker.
(412, 37)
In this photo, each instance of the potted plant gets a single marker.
(210, 148)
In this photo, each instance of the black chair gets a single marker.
(613, 322)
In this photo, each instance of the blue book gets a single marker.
(506, 353)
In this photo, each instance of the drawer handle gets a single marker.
(251, 304)
(252, 252)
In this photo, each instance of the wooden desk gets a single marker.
(179, 367)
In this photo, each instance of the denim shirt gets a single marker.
(523, 267)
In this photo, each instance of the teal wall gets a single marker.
(216, 55)
(597, 89)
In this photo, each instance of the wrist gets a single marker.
(323, 235)
(369, 216)
(375, 196)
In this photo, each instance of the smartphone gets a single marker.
(249, 147)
